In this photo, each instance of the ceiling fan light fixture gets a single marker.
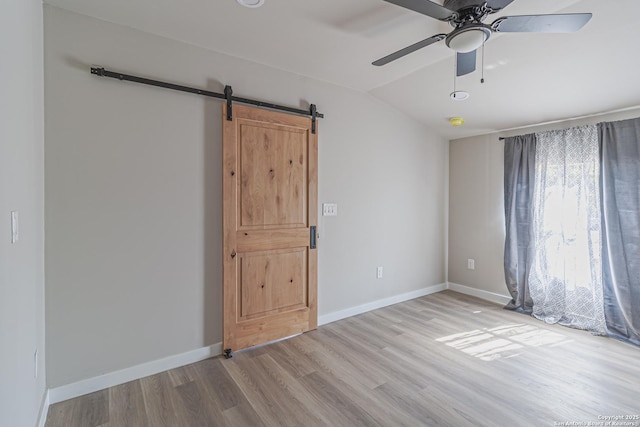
(251, 3)
(468, 38)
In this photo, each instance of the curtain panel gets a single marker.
(519, 177)
(620, 183)
(533, 265)
(565, 279)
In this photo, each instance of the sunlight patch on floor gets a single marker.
(502, 341)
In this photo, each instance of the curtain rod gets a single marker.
(620, 110)
(227, 95)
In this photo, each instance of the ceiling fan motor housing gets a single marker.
(462, 4)
(467, 12)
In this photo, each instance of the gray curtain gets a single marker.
(519, 177)
(620, 183)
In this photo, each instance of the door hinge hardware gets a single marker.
(227, 353)
(228, 94)
(233, 254)
(312, 231)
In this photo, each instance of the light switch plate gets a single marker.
(329, 209)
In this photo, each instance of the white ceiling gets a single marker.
(529, 78)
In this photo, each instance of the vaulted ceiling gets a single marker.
(529, 78)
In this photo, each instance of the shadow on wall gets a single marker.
(212, 298)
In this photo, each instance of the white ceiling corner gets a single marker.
(529, 78)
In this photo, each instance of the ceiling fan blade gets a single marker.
(497, 5)
(409, 49)
(466, 63)
(426, 7)
(561, 23)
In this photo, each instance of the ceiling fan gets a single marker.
(470, 32)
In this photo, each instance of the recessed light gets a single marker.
(251, 3)
(460, 95)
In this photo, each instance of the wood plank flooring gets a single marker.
(442, 360)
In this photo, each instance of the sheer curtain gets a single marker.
(565, 281)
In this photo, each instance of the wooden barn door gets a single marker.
(269, 216)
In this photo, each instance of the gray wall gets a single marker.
(133, 219)
(476, 204)
(21, 189)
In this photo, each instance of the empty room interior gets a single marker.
(295, 213)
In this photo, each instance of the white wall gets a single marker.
(476, 204)
(133, 219)
(21, 189)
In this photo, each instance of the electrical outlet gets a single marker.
(471, 264)
(379, 272)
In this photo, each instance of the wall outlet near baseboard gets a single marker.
(471, 264)
(379, 272)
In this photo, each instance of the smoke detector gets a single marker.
(459, 95)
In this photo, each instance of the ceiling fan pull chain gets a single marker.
(482, 75)
(455, 74)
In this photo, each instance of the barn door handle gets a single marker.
(312, 242)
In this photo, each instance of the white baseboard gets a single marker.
(80, 388)
(479, 293)
(44, 410)
(352, 311)
(90, 385)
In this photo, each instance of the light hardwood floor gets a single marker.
(442, 360)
